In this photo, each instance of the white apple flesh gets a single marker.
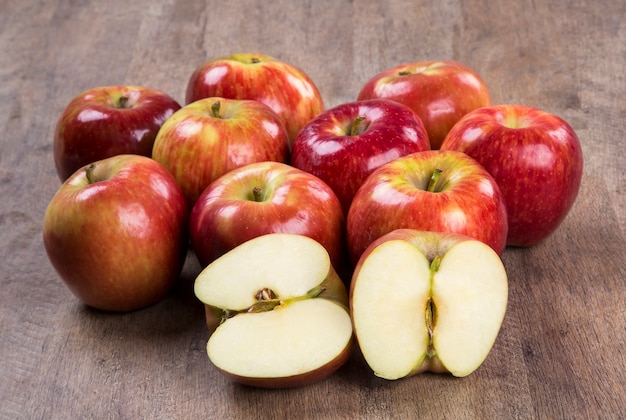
(427, 301)
(278, 312)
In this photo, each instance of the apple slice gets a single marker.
(277, 310)
(427, 301)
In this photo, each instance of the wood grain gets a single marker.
(561, 352)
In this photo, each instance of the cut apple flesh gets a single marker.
(411, 314)
(292, 340)
(282, 310)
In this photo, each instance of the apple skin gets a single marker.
(291, 201)
(343, 145)
(465, 200)
(285, 88)
(439, 91)
(199, 144)
(106, 121)
(118, 243)
(534, 156)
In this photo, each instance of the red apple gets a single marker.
(434, 190)
(115, 232)
(534, 156)
(262, 198)
(108, 121)
(440, 92)
(207, 138)
(343, 145)
(285, 88)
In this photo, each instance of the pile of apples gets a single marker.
(379, 221)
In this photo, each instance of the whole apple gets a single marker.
(534, 156)
(440, 92)
(262, 198)
(343, 145)
(209, 137)
(106, 121)
(441, 191)
(427, 301)
(285, 88)
(116, 233)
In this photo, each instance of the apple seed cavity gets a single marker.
(431, 310)
(268, 300)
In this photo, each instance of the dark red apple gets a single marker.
(106, 121)
(343, 145)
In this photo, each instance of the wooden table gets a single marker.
(561, 352)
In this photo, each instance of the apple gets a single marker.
(115, 232)
(106, 121)
(439, 91)
(427, 301)
(442, 191)
(285, 88)
(207, 138)
(343, 145)
(534, 156)
(262, 198)
(277, 311)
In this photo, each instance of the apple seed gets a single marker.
(265, 294)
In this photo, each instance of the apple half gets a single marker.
(427, 301)
(277, 310)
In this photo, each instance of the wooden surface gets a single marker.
(561, 352)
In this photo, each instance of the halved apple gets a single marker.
(427, 301)
(277, 310)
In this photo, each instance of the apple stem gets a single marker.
(356, 127)
(215, 109)
(89, 173)
(123, 102)
(255, 60)
(257, 194)
(434, 179)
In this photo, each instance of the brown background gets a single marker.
(561, 352)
